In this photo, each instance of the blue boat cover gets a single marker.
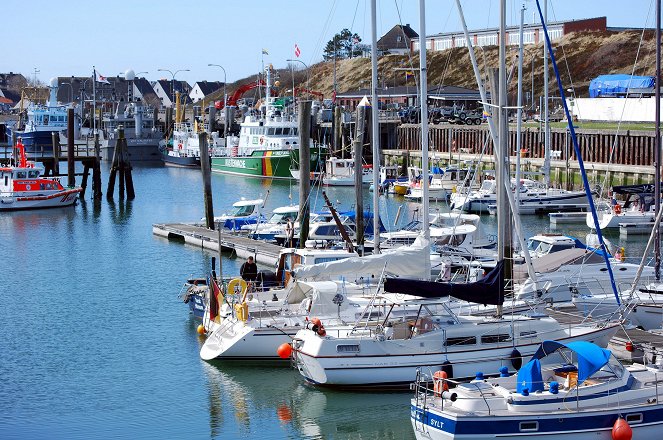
(612, 85)
(529, 376)
(591, 357)
(235, 224)
(488, 290)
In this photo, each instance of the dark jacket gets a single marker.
(249, 271)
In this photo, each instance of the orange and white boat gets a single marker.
(23, 187)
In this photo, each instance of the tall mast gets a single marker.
(546, 124)
(504, 251)
(423, 84)
(520, 103)
(657, 161)
(375, 132)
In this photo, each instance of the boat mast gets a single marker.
(502, 171)
(546, 122)
(375, 130)
(520, 103)
(423, 84)
(657, 144)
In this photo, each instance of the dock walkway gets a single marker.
(196, 235)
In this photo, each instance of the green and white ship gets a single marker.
(268, 144)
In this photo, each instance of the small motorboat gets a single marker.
(22, 186)
(573, 390)
(244, 212)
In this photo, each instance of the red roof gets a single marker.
(4, 100)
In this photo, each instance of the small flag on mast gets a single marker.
(101, 78)
(297, 51)
(264, 52)
(409, 74)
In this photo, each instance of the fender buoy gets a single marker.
(236, 282)
(284, 351)
(262, 139)
(516, 359)
(318, 327)
(179, 146)
(440, 383)
(621, 430)
(618, 208)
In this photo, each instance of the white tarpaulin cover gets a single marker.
(406, 261)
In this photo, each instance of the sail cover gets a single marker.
(488, 290)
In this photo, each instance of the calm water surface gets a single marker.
(96, 344)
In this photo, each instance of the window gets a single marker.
(442, 44)
(33, 174)
(487, 40)
(529, 426)
(528, 37)
(528, 334)
(634, 418)
(461, 340)
(555, 34)
(354, 348)
(399, 39)
(21, 175)
(494, 339)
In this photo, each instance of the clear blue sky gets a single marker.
(68, 37)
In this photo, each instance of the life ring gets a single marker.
(440, 383)
(237, 282)
(618, 208)
(262, 139)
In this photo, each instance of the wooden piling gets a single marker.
(71, 164)
(122, 165)
(304, 169)
(96, 170)
(55, 169)
(206, 170)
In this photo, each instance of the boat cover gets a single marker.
(235, 224)
(406, 261)
(645, 188)
(591, 357)
(529, 376)
(618, 84)
(488, 290)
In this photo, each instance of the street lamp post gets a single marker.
(172, 81)
(307, 72)
(225, 96)
(71, 91)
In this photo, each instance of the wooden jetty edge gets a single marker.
(195, 235)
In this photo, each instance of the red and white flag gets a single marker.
(101, 78)
(297, 51)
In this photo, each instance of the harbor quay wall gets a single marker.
(618, 158)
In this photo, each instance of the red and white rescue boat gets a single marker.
(23, 187)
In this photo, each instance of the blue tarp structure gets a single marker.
(529, 376)
(591, 357)
(618, 84)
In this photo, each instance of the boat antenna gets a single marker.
(657, 144)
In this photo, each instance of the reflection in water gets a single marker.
(275, 403)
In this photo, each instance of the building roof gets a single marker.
(208, 87)
(398, 37)
(180, 86)
(526, 26)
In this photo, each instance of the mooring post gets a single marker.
(337, 132)
(304, 169)
(71, 164)
(96, 170)
(55, 163)
(205, 167)
(126, 168)
(110, 189)
(359, 194)
(122, 164)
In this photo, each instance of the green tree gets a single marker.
(345, 44)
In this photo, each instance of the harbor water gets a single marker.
(97, 344)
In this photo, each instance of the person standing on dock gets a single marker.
(249, 270)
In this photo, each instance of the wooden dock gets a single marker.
(200, 236)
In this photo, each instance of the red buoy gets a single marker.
(284, 351)
(629, 346)
(621, 430)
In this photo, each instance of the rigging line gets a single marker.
(325, 29)
(576, 147)
(409, 53)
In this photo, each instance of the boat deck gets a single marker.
(196, 235)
